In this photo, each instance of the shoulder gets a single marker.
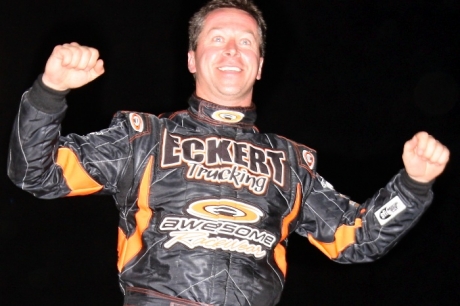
(306, 157)
(137, 121)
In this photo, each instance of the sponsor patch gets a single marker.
(309, 158)
(390, 210)
(219, 224)
(227, 116)
(219, 161)
(225, 210)
(136, 122)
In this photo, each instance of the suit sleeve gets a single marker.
(48, 165)
(348, 232)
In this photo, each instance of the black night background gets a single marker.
(352, 79)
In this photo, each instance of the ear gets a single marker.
(259, 73)
(191, 61)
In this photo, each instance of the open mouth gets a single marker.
(229, 68)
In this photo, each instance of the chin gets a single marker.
(231, 89)
(231, 94)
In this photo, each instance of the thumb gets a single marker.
(410, 146)
(98, 69)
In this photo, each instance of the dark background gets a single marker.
(352, 79)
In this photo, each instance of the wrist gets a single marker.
(417, 179)
(416, 186)
(51, 85)
(47, 99)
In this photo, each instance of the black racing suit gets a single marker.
(206, 202)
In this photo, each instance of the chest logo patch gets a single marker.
(217, 160)
(227, 116)
(219, 224)
(136, 122)
(225, 210)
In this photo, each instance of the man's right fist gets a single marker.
(72, 66)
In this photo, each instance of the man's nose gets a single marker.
(231, 48)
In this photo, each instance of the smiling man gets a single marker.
(207, 202)
(227, 59)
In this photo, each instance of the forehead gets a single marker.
(230, 19)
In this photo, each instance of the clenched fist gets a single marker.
(424, 157)
(72, 66)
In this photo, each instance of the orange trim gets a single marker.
(344, 236)
(128, 248)
(77, 179)
(280, 250)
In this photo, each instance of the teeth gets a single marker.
(229, 69)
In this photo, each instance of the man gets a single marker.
(206, 202)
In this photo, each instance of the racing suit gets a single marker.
(206, 202)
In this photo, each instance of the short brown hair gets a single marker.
(197, 20)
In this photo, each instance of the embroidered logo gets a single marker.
(227, 116)
(309, 158)
(136, 122)
(219, 161)
(390, 210)
(219, 224)
(225, 210)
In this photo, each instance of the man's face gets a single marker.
(227, 60)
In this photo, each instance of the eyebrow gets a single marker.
(222, 28)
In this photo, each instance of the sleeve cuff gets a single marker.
(417, 188)
(46, 99)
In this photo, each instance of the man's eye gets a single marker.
(218, 39)
(245, 42)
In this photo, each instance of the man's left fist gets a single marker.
(424, 157)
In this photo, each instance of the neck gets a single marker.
(229, 101)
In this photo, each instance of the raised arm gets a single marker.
(72, 66)
(348, 232)
(49, 165)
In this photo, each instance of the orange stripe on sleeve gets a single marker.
(77, 179)
(128, 248)
(280, 250)
(344, 236)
